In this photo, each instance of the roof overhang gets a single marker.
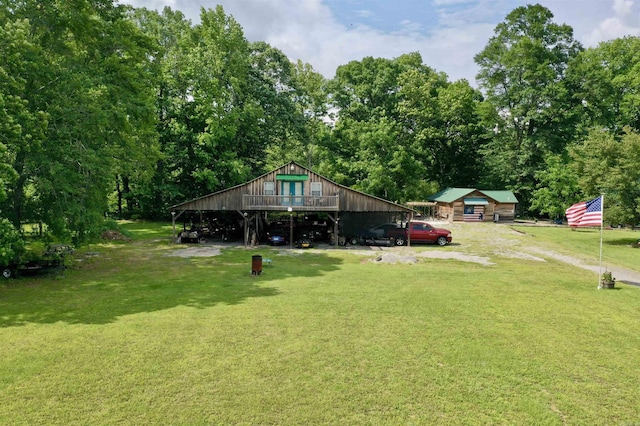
(292, 178)
(476, 202)
(421, 203)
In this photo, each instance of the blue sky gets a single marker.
(386, 16)
(447, 33)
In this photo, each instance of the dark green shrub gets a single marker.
(11, 243)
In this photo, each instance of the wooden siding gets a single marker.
(445, 211)
(251, 196)
(458, 211)
(506, 212)
(455, 211)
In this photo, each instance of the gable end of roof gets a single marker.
(449, 195)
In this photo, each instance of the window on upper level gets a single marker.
(269, 188)
(316, 189)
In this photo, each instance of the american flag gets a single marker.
(586, 213)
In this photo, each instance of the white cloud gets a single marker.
(410, 27)
(626, 21)
(609, 29)
(365, 13)
(307, 30)
(310, 31)
(452, 2)
(622, 7)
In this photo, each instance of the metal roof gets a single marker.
(449, 195)
(500, 196)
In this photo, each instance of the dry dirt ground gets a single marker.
(477, 243)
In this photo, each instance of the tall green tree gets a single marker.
(203, 108)
(523, 69)
(280, 131)
(22, 129)
(86, 109)
(367, 149)
(608, 164)
(403, 130)
(443, 120)
(558, 186)
(227, 108)
(173, 33)
(606, 81)
(300, 92)
(218, 67)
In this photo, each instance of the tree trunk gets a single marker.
(126, 189)
(18, 191)
(119, 191)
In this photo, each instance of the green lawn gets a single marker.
(585, 243)
(129, 335)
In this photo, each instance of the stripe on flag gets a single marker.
(586, 213)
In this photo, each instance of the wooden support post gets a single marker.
(336, 236)
(174, 216)
(246, 232)
(409, 229)
(173, 223)
(245, 226)
(290, 210)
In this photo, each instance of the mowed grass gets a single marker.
(585, 243)
(129, 335)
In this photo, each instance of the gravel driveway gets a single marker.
(476, 243)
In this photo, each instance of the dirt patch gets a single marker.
(517, 255)
(456, 255)
(199, 251)
(293, 252)
(415, 256)
(112, 235)
(395, 258)
(504, 242)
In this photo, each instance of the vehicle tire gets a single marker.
(354, 241)
(441, 241)
(7, 273)
(400, 241)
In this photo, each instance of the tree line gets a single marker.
(110, 110)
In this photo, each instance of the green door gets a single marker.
(292, 192)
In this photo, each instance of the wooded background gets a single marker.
(107, 110)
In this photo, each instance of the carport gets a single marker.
(290, 189)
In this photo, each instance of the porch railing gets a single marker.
(297, 202)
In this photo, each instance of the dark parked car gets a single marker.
(304, 240)
(382, 230)
(378, 235)
(278, 235)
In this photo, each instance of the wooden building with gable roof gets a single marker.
(475, 205)
(290, 188)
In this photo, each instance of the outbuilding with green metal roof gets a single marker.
(474, 205)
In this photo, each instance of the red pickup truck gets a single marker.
(420, 232)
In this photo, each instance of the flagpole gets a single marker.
(601, 228)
